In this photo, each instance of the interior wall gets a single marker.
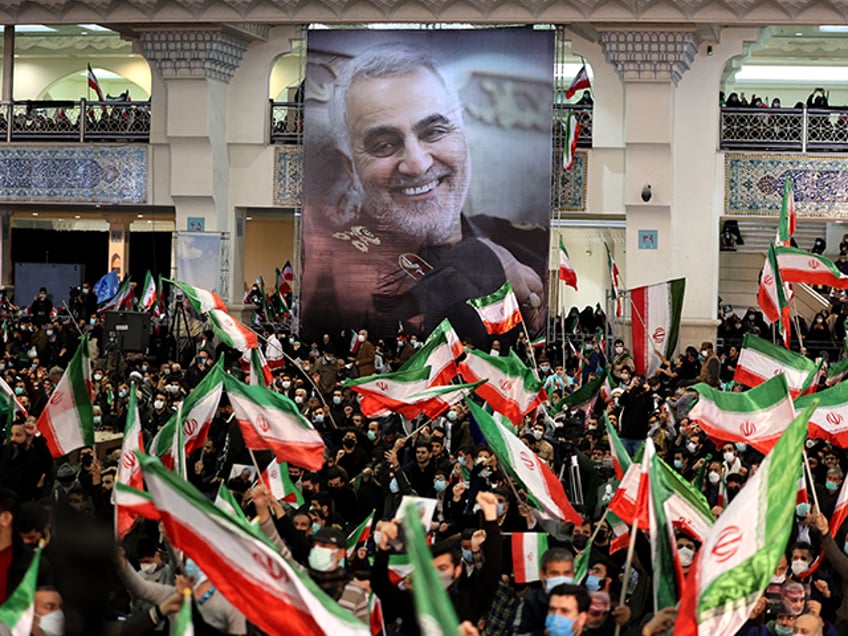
(268, 244)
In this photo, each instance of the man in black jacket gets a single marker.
(638, 404)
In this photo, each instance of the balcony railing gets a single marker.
(287, 122)
(792, 129)
(81, 121)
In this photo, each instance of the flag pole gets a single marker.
(797, 326)
(628, 567)
(810, 481)
(256, 466)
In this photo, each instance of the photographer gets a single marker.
(817, 99)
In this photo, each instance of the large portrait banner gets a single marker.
(427, 172)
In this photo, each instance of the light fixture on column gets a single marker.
(647, 193)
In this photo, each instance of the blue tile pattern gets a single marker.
(288, 176)
(112, 174)
(754, 184)
(569, 186)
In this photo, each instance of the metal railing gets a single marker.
(793, 129)
(75, 121)
(287, 122)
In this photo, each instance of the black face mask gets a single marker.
(579, 541)
(349, 443)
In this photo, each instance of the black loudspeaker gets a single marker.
(127, 330)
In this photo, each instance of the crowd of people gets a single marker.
(819, 98)
(88, 584)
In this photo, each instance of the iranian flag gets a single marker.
(760, 360)
(243, 564)
(285, 279)
(655, 321)
(231, 332)
(271, 420)
(757, 417)
(67, 422)
(772, 297)
(788, 215)
(9, 397)
(128, 505)
(511, 389)
(580, 81)
(835, 374)
(615, 282)
(184, 626)
(620, 459)
(800, 266)
(630, 501)
(149, 294)
(360, 534)
(196, 415)
(121, 298)
(18, 610)
(527, 551)
(567, 274)
(93, 84)
(202, 301)
(840, 511)
(829, 419)
(257, 367)
(738, 558)
(543, 488)
(571, 131)
(499, 311)
(227, 502)
(586, 396)
(439, 352)
(433, 606)
(675, 505)
(276, 477)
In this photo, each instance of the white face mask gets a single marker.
(800, 566)
(361, 338)
(158, 405)
(147, 568)
(52, 624)
(729, 457)
(321, 559)
(704, 353)
(714, 478)
(619, 350)
(494, 352)
(686, 555)
(538, 434)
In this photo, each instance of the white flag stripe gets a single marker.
(765, 367)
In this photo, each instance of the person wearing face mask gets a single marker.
(828, 494)
(327, 369)
(687, 550)
(731, 463)
(556, 568)
(363, 360)
(710, 365)
(351, 456)
(822, 588)
(622, 362)
(837, 556)
(568, 609)
(470, 603)
(404, 351)
(49, 618)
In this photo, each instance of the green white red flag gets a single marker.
(772, 297)
(655, 320)
(271, 420)
(835, 374)
(840, 510)
(508, 385)
(67, 422)
(630, 501)
(829, 420)
(201, 300)
(567, 273)
(543, 488)
(439, 352)
(800, 266)
(571, 131)
(527, 550)
(788, 215)
(227, 502)
(615, 282)
(760, 360)
(128, 505)
(260, 372)
(433, 608)
(276, 477)
(184, 626)
(17, 612)
(149, 293)
(585, 397)
(738, 558)
(360, 535)
(620, 459)
(499, 311)
(9, 397)
(232, 332)
(675, 505)
(406, 392)
(243, 564)
(197, 412)
(122, 298)
(757, 417)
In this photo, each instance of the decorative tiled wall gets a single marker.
(106, 174)
(288, 176)
(754, 184)
(569, 186)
